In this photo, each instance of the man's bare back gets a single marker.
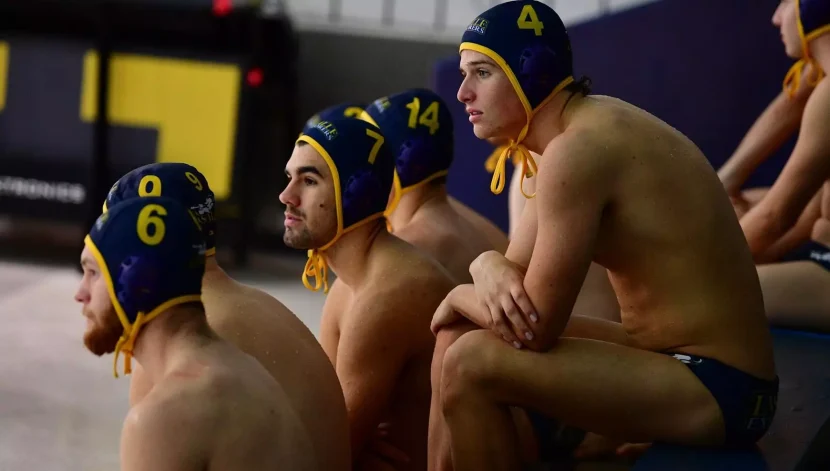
(496, 237)
(264, 328)
(440, 231)
(207, 412)
(680, 287)
(380, 327)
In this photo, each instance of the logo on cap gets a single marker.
(479, 25)
(99, 223)
(381, 104)
(327, 129)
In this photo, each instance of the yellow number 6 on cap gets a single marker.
(148, 217)
(529, 20)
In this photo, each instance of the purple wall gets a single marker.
(707, 67)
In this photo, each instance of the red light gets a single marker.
(222, 7)
(254, 77)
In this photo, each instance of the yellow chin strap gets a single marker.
(515, 150)
(398, 192)
(126, 344)
(792, 81)
(318, 268)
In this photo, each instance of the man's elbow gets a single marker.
(546, 336)
(768, 227)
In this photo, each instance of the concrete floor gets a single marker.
(60, 407)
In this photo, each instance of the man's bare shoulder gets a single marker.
(405, 291)
(817, 104)
(173, 406)
(264, 300)
(580, 151)
(431, 237)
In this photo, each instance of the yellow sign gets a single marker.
(4, 72)
(192, 104)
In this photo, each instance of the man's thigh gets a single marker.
(613, 390)
(796, 294)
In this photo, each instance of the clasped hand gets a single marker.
(501, 303)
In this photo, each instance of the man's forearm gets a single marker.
(761, 232)
(464, 301)
(795, 236)
(769, 132)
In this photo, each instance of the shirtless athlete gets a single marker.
(788, 225)
(251, 319)
(417, 127)
(692, 360)
(375, 329)
(212, 406)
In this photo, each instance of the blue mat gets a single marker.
(803, 361)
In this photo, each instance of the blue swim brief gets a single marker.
(748, 403)
(810, 251)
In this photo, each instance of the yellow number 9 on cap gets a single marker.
(529, 20)
(150, 216)
(194, 180)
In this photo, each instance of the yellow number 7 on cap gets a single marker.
(529, 20)
(373, 154)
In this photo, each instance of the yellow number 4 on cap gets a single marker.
(529, 20)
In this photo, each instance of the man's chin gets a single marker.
(98, 348)
(293, 243)
(486, 133)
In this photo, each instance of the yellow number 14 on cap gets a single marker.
(529, 20)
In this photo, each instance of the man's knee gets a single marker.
(468, 364)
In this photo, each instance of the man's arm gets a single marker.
(571, 193)
(797, 235)
(769, 132)
(494, 235)
(163, 437)
(329, 328)
(377, 338)
(516, 200)
(806, 170)
(523, 238)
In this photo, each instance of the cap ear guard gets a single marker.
(138, 282)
